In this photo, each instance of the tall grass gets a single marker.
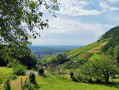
(5, 73)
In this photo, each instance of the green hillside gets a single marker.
(82, 54)
(112, 33)
(97, 62)
(76, 55)
(91, 67)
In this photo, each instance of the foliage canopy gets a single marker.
(19, 17)
(100, 68)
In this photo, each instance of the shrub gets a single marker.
(78, 77)
(71, 74)
(28, 86)
(90, 80)
(7, 85)
(73, 77)
(32, 78)
(19, 69)
(11, 64)
(14, 77)
(41, 72)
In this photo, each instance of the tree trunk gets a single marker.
(106, 78)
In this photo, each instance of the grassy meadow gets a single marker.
(59, 82)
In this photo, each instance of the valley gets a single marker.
(91, 67)
(59, 45)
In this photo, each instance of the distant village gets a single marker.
(40, 56)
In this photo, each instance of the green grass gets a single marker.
(94, 56)
(58, 83)
(5, 73)
(62, 82)
(49, 59)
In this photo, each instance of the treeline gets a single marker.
(98, 70)
(112, 47)
(59, 59)
(10, 55)
(112, 33)
(113, 36)
(105, 64)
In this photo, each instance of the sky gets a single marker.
(79, 22)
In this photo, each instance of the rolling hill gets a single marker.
(82, 54)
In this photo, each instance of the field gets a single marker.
(63, 82)
(58, 83)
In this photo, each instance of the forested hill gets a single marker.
(108, 44)
(112, 33)
(113, 37)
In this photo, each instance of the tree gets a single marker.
(102, 67)
(32, 78)
(116, 53)
(25, 56)
(19, 69)
(7, 85)
(61, 58)
(5, 53)
(22, 55)
(41, 71)
(19, 17)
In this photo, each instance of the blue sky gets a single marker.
(79, 22)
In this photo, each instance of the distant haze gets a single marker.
(42, 51)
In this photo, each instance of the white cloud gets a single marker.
(113, 1)
(78, 7)
(64, 31)
(75, 8)
(106, 7)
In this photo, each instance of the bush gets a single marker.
(14, 77)
(32, 78)
(73, 77)
(71, 74)
(31, 85)
(41, 72)
(7, 85)
(11, 64)
(19, 69)
(78, 77)
(28, 86)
